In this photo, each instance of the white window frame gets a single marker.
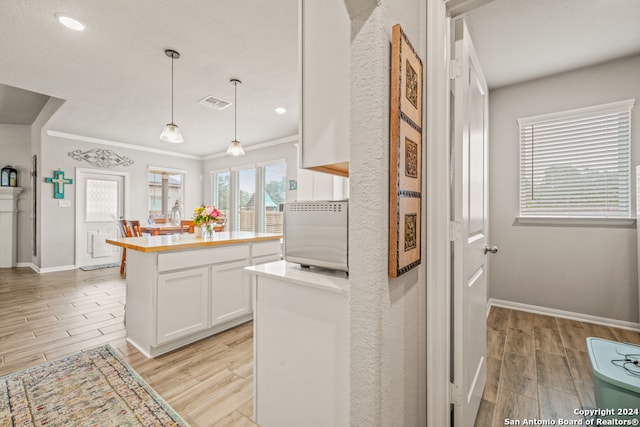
(564, 217)
(262, 189)
(151, 168)
(234, 207)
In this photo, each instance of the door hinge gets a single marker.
(455, 231)
(455, 394)
(455, 69)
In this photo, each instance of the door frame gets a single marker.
(125, 199)
(440, 14)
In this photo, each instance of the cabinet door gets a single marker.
(182, 304)
(230, 292)
(325, 55)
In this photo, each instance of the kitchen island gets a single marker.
(182, 288)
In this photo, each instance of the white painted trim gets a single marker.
(58, 134)
(253, 147)
(438, 262)
(615, 106)
(164, 169)
(119, 144)
(575, 222)
(604, 321)
(28, 264)
(58, 268)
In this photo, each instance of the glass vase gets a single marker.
(207, 231)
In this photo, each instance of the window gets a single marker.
(222, 192)
(275, 191)
(251, 197)
(166, 186)
(576, 164)
(246, 197)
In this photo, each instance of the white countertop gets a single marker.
(329, 280)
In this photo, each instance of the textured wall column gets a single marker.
(368, 213)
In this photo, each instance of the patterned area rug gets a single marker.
(92, 388)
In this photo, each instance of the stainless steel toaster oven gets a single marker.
(316, 233)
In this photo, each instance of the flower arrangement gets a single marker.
(205, 215)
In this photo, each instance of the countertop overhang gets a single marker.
(319, 278)
(175, 242)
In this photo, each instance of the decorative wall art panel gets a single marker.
(101, 158)
(405, 162)
(409, 230)
(409, 158)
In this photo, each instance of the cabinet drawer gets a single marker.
(194, 258)
(265, 248)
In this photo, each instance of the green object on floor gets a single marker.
(616, 378)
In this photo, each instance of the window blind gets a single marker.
(577, 163)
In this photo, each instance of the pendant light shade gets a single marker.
(235, 148)
(171, 132)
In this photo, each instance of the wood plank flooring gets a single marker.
(538, 366)
(48, 316)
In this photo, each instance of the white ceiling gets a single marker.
(519, 40)
(116, 79)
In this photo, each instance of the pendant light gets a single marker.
(171, 133)
(235, 148)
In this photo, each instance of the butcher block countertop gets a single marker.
(176, 242)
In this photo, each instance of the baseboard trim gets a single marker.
(59, 268)
(604, 321)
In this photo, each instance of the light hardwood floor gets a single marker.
(538, 366)
(48, 316)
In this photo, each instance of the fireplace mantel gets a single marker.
(9, 226)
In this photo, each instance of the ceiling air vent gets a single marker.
(213, 102)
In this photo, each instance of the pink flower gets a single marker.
(207, 210)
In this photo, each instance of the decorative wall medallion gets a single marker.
(101, 158)
(411, 156)
(405, 152)
(412, 85)
(410, 232)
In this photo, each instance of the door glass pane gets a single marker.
(221, 192)
(246, 219)
(101, 200)
(275, 177)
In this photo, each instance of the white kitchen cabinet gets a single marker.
(184, 288)
(230, 292)
(182, 304)
(325, 55)
(301, 347)
(321, 186)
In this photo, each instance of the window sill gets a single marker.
(576, 222)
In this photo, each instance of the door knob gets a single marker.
(492, 249)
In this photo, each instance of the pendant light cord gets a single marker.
(172, 58)
(235, 111)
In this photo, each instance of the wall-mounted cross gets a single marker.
(58, 182)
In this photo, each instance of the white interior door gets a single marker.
(470, 232)
(99, 205)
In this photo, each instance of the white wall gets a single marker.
(588, 270)
(58, 223)
(15, 146)
(388, 338)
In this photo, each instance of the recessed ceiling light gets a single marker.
(280, 110)
(70, 22)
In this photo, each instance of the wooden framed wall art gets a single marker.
(405, 156)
